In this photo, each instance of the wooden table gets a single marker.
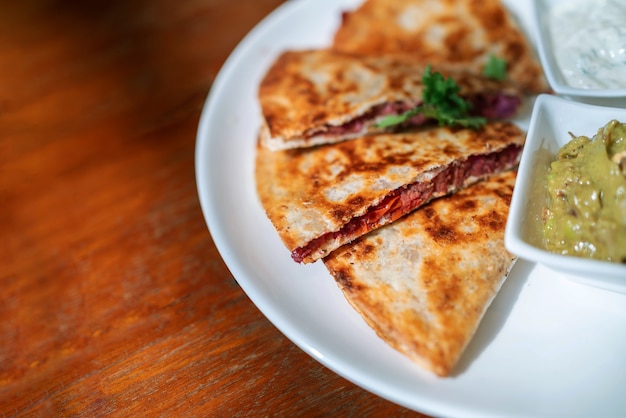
(115, 301)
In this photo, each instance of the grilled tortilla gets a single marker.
(460, 32)
(424, 282)
(313, 97)
(323, 197)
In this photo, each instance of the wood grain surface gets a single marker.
(114, 300)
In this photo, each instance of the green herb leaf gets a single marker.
(495, 68)
(440, 101)
(393, 120)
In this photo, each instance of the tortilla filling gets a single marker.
(495, 105)
(404, 200)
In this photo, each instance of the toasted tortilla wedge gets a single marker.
(323, 197)
(424, 282)
(461, 32)
(313, 97)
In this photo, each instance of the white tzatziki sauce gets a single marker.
(589, 42)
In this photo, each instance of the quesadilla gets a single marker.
(465, 33)
(323, 197)
(313, 97)
(424, 282)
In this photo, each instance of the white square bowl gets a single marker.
(551, 121)
(541, 12)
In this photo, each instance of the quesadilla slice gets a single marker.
(424, 282)
(323, 197)
(466, 33)
(313, 97)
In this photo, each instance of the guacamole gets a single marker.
(586, 204)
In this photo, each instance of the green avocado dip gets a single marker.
(586, 204)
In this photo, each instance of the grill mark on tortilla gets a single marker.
(345, 279)
(492, 221)
(442, 234)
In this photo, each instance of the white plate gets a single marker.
(552, 120)
(547, 346)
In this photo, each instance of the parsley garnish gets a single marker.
(440, 101)
(495, 68)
